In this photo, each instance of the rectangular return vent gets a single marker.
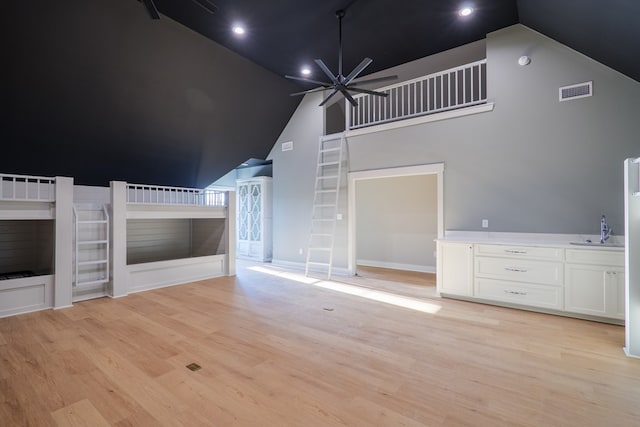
(580, 90)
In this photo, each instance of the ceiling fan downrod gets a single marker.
(340, 14)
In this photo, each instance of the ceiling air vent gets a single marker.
(581, 90)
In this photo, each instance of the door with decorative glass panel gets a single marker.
(254, 218)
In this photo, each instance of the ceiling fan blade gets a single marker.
(207, 5)
(304, 92)
(151, 9)
(370, 92)
(352, 75)
(304, 79)
(376, 80)
(326, 70)
(328, 97)
(349, 97)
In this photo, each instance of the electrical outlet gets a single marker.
(339, 217)
(485, 223)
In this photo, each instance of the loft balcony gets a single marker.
(452, 89)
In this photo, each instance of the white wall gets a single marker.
(293, 181)
(396, 222)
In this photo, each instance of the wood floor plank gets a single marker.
(276, 348)
(79, 414)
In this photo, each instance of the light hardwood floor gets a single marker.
(278, 349)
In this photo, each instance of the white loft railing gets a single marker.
(27, 188)
(161, 195)
(457, 87)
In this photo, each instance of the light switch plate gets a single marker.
(485, 223)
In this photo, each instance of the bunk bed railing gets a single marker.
(181, 196)
(27, 188)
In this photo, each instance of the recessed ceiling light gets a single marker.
(238, 29)
(465, 11)
(305, 71)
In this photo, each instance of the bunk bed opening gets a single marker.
(172, 235)
(27, 243)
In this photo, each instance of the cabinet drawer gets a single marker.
(520, 293)
(520, 270)
(597, 257)
(529, 252)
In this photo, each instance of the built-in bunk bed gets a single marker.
(34, 264)
(164, 236)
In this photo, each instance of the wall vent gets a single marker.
(287, 146)
(580, 90)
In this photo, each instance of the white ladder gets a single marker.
(325, 204)
(91, 244)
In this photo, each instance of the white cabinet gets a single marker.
(254, 218)
(455, 268)
(583, 282)
(526, 275)
(595, 283)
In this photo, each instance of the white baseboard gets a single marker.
(397, 266)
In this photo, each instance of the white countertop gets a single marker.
(615, 243)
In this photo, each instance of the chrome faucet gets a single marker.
(605, 231)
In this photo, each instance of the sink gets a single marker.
(598, 244)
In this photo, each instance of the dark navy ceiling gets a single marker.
(283, 34)
(97, 90)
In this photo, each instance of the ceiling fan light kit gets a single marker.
(338, 82)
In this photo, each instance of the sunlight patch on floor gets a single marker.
(371, 294)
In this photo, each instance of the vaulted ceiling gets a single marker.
(283, 35)
(98, 90)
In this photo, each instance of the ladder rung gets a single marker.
(318, 263)
(326, 191)
(328, 164)
(324, 205)
(97, 221)
(92, 242)
(328, 177)
(92, 282)
(330, 150)
(96, 262)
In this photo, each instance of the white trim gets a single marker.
(353, 177)
(476, 109)
(396, 266)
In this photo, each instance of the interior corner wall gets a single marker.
(533, 164)
(397, 222)
(293, 181)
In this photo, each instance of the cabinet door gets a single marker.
(455, 268)
(595, 290)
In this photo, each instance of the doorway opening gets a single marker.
(394, 216)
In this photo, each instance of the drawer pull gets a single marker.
(515, 251)
(516, 270)
(515, 292)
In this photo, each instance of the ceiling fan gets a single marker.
(340, 83)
